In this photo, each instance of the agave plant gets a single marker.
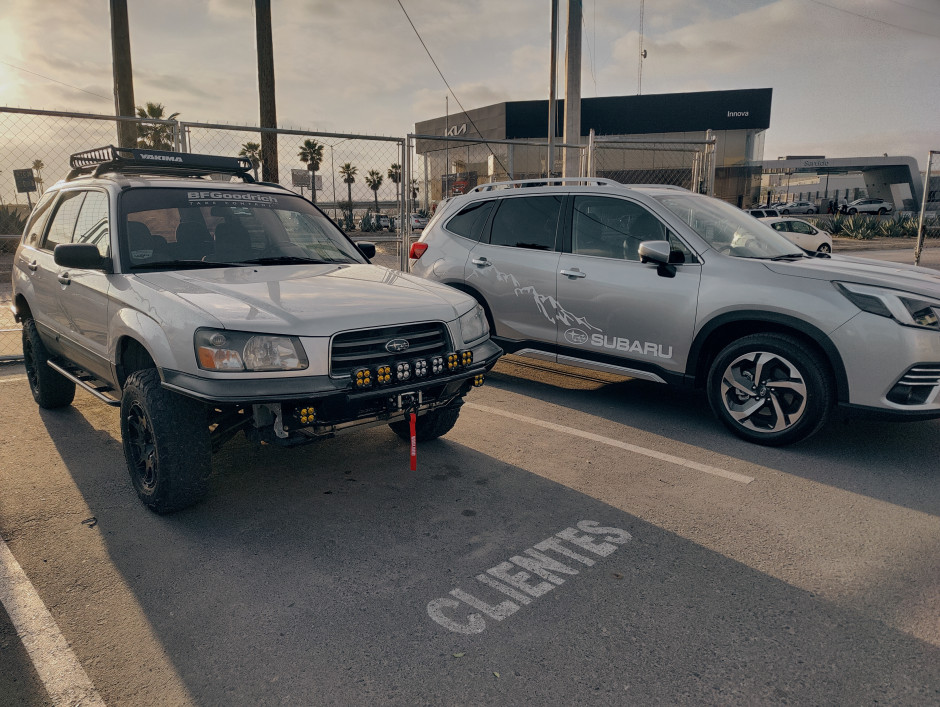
(860, 227)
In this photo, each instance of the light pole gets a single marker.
(333, 174)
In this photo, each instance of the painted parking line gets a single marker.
(63, 677)
(652, 453)
(12, 379)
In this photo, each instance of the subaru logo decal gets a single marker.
(397, 345)
(576, 336)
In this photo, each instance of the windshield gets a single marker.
(169, 229)
(728, 229)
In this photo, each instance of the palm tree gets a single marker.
(348, 173)
(414, 189)
(311, 154)
(394, 173)
(155, 136)
(38, 166)
(252, 150)
(374, 180)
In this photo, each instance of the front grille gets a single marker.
(366, 348)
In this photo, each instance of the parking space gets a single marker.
(332, 574)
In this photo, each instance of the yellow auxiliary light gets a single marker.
(362, 378)
(383, 375)
(453, 360)
(466, 357)
(478, 380)
(306, 415)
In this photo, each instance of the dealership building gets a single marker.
(653, 139)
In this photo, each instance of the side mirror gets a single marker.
(366, 248)
(658, 252)
(84, 256)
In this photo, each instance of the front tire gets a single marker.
(166, 443)
(882, 212)
(770, 389)
(50, 388)
(431, 425)
(824, 248)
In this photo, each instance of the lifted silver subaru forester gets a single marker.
(659, 283)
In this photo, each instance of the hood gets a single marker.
(880, 273)
(312, 300)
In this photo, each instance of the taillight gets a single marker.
(417, 250)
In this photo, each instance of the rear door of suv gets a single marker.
(621, 311)
(513, 267)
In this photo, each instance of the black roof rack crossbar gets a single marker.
(137, 160)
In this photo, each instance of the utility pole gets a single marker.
(123, 73)
(265, 42)
(573, 89)
(552, 100)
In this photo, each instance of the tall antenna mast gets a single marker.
(639, 71)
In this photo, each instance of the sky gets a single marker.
(849, 77)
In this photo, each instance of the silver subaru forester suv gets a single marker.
(662, 284)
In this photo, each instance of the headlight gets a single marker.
(473, 325)
(240, 351)
(903, 307)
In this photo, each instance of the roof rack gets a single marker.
(142, 161)
(544, 182)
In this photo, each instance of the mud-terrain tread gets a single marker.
(181, 439)
(50, 388)
(431, 425)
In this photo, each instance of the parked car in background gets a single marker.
(802, 233)
(869, 206)
(418, 222)
(762, 213)
(798, 207)
(665, 285)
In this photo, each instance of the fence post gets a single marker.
(406, 205)
(712, 159)
(923, 210)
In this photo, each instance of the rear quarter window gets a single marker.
(469, 221)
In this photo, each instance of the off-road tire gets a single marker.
(50, 388)
(166, 443)
(431, 425)
(811, 384)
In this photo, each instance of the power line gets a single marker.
(441, 74)
(48, 78)
(872, 19)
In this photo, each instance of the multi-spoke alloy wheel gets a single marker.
(771, 389)
(143, 450)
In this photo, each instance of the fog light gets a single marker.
(362, 378)
(437, 365)
(478, 380)
(306, 415)
(466, 358)
(383, 375)
(402, 371)
(420, 367)
(453, 360)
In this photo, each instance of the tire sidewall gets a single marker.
(819, 389)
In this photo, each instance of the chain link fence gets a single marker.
(928, 222)
(629, 161)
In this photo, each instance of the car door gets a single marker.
(48, 314)
(804, 235)
(83, 294)
(619, 310)
(513, 267)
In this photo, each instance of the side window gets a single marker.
(800, 227)
(612, 228)
(780, 226)
(91, 226)
(527, 222)
(471, 219)
(37, 221)
(63, 223)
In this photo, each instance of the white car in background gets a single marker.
(869, 206)
(801, 233)
(798, 207)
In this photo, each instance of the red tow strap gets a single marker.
(414, 444)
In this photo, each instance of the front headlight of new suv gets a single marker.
(218, 350)
(903, 307)
(473, 325)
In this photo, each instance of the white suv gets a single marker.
(869, 206)
(204, 308)
(662, 284)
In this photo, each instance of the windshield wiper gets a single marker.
(788, 256)
(185, 264)
(285, 260)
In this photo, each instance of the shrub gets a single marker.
(834, 224)
(898, 227)
(860, 227)
(12, 222)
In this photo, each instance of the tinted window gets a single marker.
(527, 222)
(37, 222)
(612, 228)
(63, 223)
(92, 223)
(779, 226)
(469, 222)
(800, 227)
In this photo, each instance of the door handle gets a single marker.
(64, 278)
(573, 273)
(34, 266)
(482, 262)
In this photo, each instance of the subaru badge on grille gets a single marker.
(397, 345)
